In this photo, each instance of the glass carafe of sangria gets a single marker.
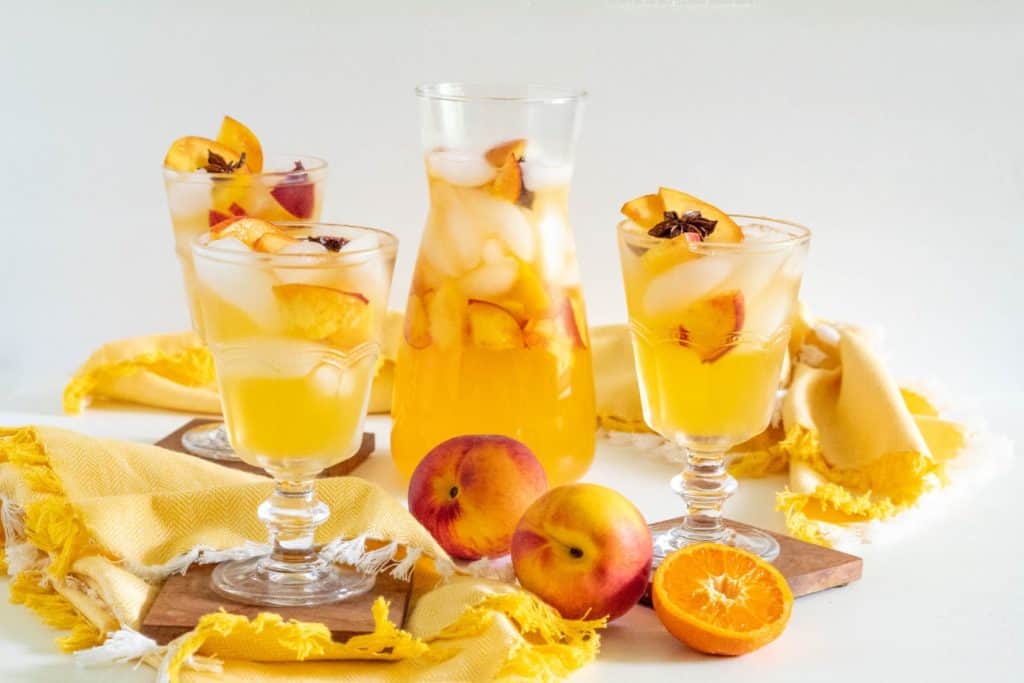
(495, 338)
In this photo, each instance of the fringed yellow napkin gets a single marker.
(859, 449)
(91, 526)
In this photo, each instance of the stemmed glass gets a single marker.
(710, 323)
(295, 339)
(198, 200)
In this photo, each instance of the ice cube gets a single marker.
(509, 223)
(304, 247)
(794, 265)
(229, 244)
(491, 279)
(681, 285)
(493, 251)
(278, 357)
(554, 242)
(244, 284)
(754, 271)
(465, 235)
(538, 175)
(460, 167)
(768, 311)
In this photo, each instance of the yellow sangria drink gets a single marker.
(495, 337)
(710, 299)
(293, 320)
(209, 181)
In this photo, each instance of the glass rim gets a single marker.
(795, 234)
(530, 93)
(387, 246)
(315, 165)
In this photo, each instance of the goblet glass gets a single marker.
(200, 199)
(710, 324)
(295, 337)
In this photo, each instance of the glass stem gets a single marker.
(292, 514)
(704, 485)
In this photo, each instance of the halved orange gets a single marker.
(721, 600)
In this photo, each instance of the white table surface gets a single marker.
(945, 604)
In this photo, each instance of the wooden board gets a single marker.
(184, 598)
(173, 442)
(808, 568)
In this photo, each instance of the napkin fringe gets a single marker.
(304, 640)
(352, 551)
(191, 367)
(552, 647)
(33, 589)
(122, 646)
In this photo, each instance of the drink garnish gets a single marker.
(215, 163)
(674, 225)
(329, 242)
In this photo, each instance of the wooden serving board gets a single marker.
(808, 568)
(184, 598)
(173, 442)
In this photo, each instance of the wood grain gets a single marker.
(173, 442)
(808, 568)
(184, 598)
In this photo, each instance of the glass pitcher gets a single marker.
(495, 338)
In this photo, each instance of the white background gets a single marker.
(893, 132)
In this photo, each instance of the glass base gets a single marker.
(751, 540)
(209, 441)
(261, 581)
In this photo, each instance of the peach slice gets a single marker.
(646, 211)
(710, 325)
(492, 327)
(296, 194)
(574, 321)
(725, 230)
(318, 313)
(216, 217)
(417, 325)
(529, 292)
(446, 310)
(498, 155)
(272, 242)
(235, 135)
(192, 153)
(248, 230)
(668, 253)
(508, 183)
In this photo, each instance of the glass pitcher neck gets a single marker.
(474, 119)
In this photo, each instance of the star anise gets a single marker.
(215, 163)
(330, 243)
(674, 225)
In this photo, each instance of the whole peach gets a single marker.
(470, 491)
(585, 550)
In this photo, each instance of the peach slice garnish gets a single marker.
(646, 211)
(272, 242)
(710, 325)
(246, 229)
(318, 313)
(492, 327)
(498, 155)
(191, 153)
(725, 230)
(236, 136)
(417, 325)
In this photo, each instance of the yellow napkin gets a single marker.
(91, 526)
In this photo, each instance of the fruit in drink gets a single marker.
(710, 325)
(470, 492)
(584, 549)
(236, 136)
(721, 600)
